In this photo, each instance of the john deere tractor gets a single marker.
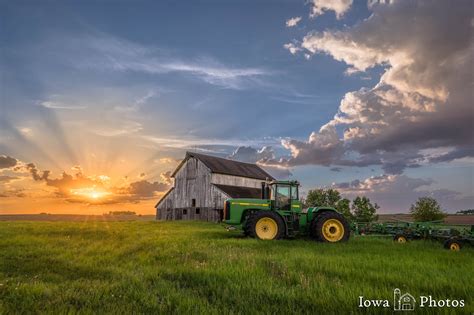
(279, 214)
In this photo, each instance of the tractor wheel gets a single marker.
(246, 226)
(453, 245)
(400, 238)
(266, 225)
(330, 227)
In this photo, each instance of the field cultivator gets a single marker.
(454, 237)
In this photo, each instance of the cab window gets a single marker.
(283, 196)
(294, 193)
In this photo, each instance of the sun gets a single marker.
(93, 193)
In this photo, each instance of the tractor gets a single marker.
(280, 214)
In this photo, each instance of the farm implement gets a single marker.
(279, 213)
(454, 237)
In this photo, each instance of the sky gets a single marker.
(100, 100)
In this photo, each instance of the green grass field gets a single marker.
(192, 267)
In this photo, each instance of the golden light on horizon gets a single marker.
(90, 192)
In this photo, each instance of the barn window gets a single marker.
(198, 210)
(185, 211)
(193, 202)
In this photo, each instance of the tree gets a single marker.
(343, 206)
(426, 209)
(467, 211)
(329, 198)
(364, 210)
(323, 197)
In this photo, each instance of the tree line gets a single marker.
(361, 209)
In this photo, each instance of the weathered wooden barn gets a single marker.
(202, 183)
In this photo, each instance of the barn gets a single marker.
(202, 183)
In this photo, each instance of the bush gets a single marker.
(426, 209)
(364, 210)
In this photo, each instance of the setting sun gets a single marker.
(90, 192)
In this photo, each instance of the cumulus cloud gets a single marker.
(293, 21)
(395, 193)
(36, 174)
(166, 178)
(340, 7)
(292, 48)
(7, 161)
(7, 179)
(252, 155)
(422, 101)
(261, 157)
(143, 189)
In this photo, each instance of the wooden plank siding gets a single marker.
(192, 181)
(232, 180)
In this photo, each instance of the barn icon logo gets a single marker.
(403, 302)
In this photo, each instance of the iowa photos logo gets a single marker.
(405, 302)
(401, 302)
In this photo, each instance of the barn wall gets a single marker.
(231, 180)
(192, 181)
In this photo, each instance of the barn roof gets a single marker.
(164, 196)
(229, 167)
(240, 192)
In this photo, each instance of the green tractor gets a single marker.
(280, 214)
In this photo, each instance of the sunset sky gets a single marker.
(101, 99)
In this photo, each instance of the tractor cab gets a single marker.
(284, 195)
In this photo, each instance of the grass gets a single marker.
(194, 267)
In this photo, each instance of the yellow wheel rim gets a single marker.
(333, 230)
(266, 228)
(401, 239)
(454, 247)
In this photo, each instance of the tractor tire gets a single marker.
(330, 227)
(453, 244)
(400, 238)
(245, 226)
(266, 225)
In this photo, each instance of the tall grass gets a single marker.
(194, 267)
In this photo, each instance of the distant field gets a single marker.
(74, 217)
(193, 267)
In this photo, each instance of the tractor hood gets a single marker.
(250, 202)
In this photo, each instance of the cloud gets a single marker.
(112, 53)
(143, 189)
(7, 179)
(292, 48)
(36, 174)
(260, 156)
(293, 21)
(67, 184)
(457, 153)
(340, 7)
(424, 48)
(137, 103)
(125, 128)
(166, 178)
(251, 155)
(7, 161)
(59, 105)
(395, 193)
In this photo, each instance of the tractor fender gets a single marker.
(316, 211)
